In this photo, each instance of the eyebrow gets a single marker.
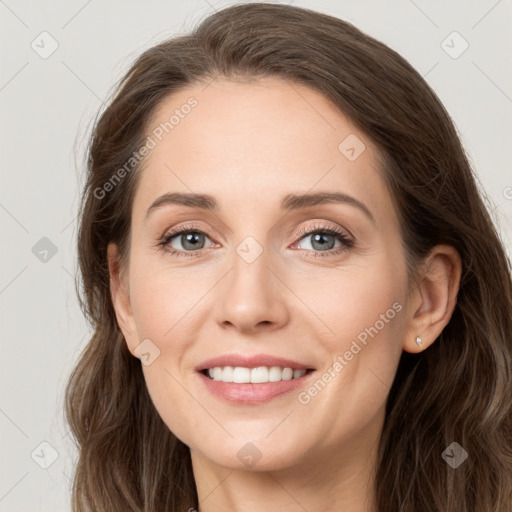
(290, 202)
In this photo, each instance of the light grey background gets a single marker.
(47, 105)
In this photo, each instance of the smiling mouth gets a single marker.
(257, 375)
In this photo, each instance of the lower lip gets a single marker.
(251, 394)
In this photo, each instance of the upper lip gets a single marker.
(251, 361)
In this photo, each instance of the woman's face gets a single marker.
(247, 278)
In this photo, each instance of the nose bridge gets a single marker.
(252, 295)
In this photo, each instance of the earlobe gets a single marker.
(435, 298)
(119, 292)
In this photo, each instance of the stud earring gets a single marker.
(418, 341)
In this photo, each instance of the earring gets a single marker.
(418, 341)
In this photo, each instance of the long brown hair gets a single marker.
(458, 390)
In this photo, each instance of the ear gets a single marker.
(120, 294)
(433, 300)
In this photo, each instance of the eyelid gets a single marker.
(188, 227)
(322, 225)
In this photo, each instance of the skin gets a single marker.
(249, 144)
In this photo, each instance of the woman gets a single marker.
(298, 297)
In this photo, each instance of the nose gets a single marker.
(253, 297)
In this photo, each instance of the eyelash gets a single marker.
(347, 242)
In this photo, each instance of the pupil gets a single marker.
(320, 239)
(190, 238)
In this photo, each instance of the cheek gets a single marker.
(166, 301)
(349, 300)
(165, 307)
(362, 317)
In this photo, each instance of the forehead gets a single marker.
(256, 141)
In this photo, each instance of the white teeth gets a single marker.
(261, 374)
(287, 374)
(298, 373)
(228, 374)
(274, 374)
(240, 375)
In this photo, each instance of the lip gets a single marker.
(253, 394)
(251, 361)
